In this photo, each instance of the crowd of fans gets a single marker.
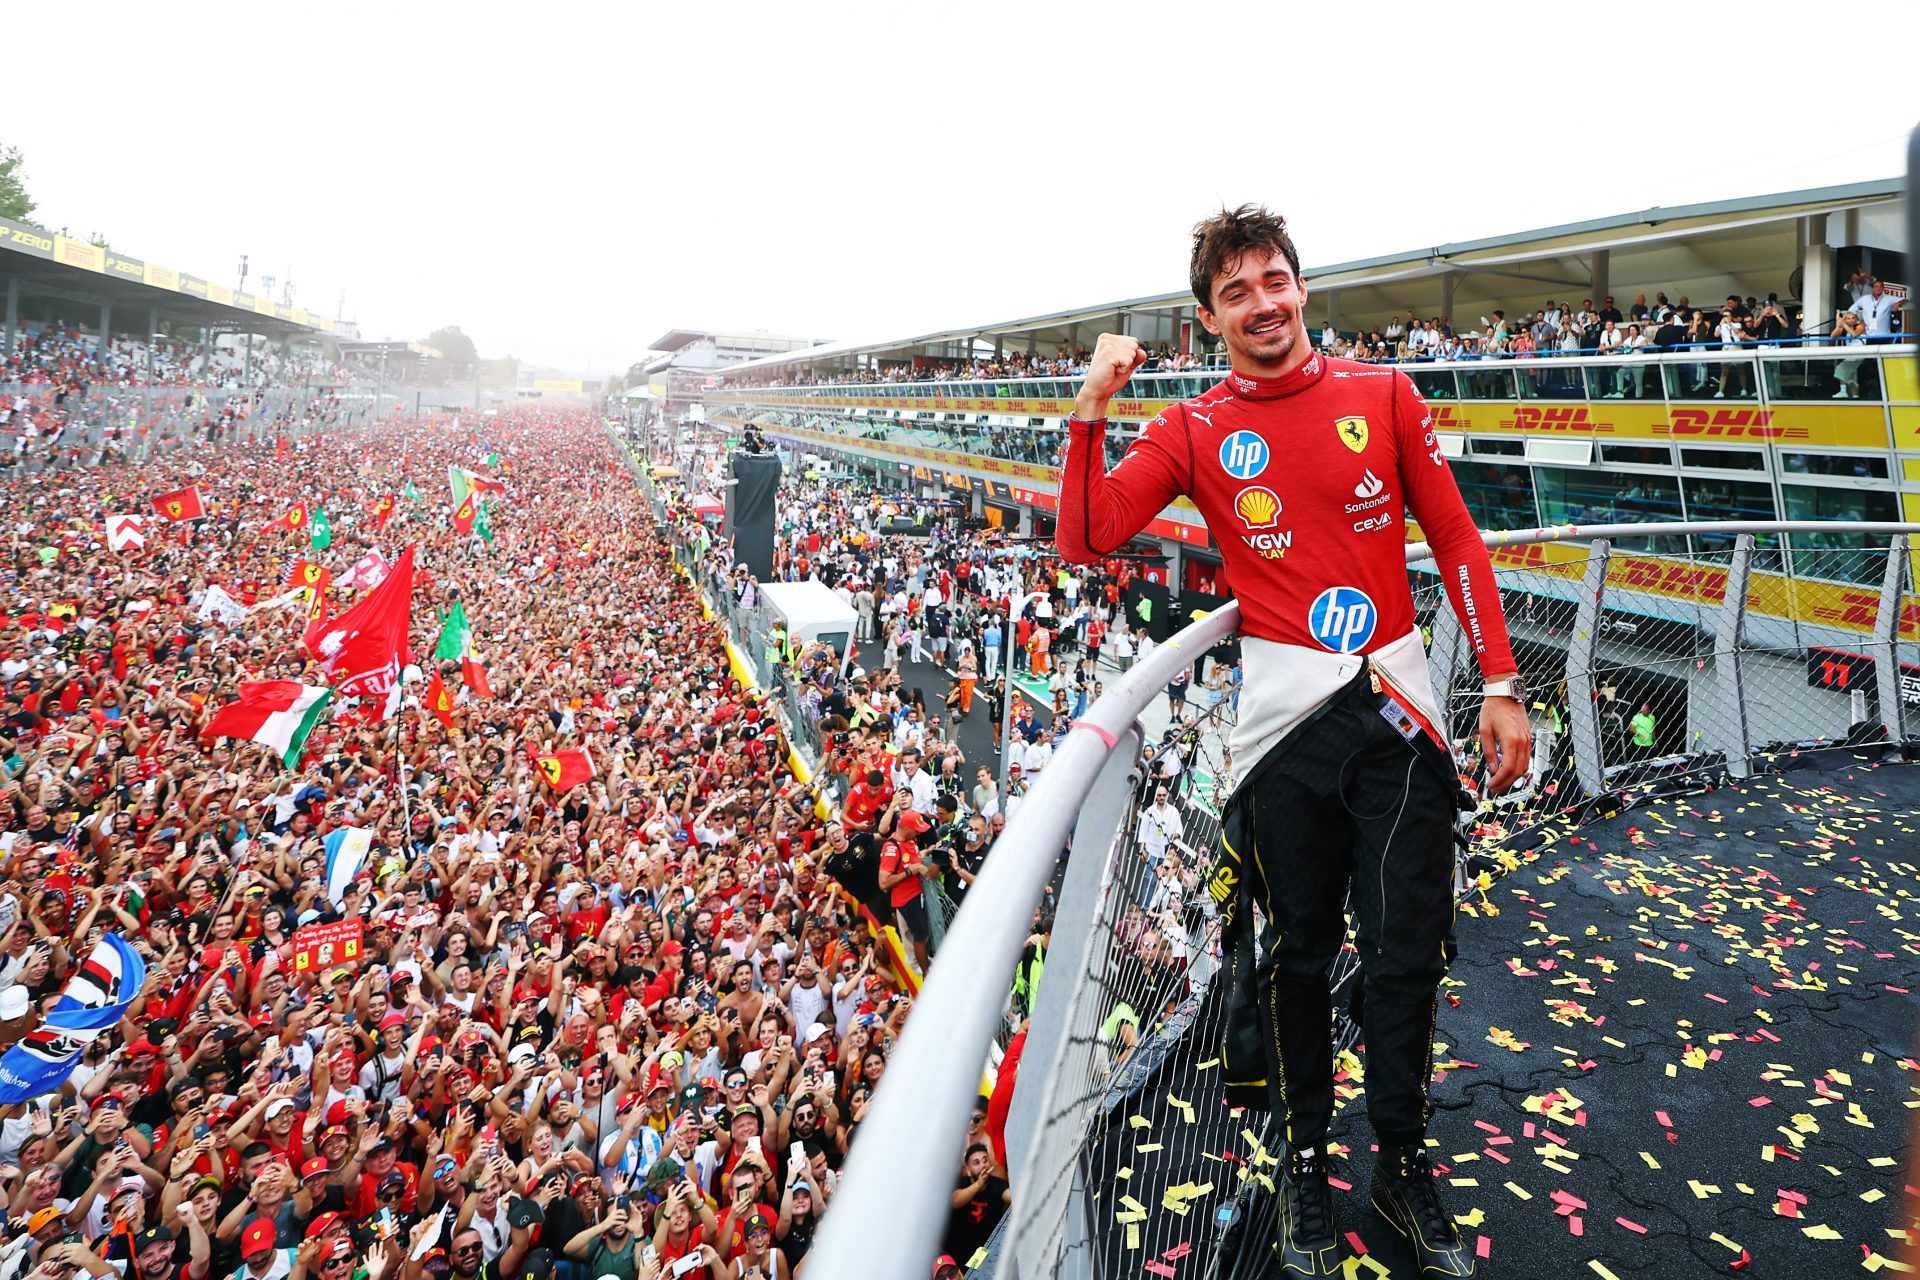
(591, 1033)
(1556, 327)
(65, 356)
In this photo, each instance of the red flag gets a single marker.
(437, 701)
(293, 518)
(464, 513)
(279, 448)
(365, 647)
(181, 504)
(382, 512)
(475, 674)
(565, 770)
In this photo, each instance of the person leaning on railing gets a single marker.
(1304, 467)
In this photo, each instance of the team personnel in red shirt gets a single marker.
(1306, 470)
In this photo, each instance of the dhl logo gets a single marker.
(1860, 611)
(1669, 578)
(1728, 424)
(1554, 417)
(1447, 417)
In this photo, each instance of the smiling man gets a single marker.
(1306, 470)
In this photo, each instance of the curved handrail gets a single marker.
(888, 1185)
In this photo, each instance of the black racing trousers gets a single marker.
(1351, 805)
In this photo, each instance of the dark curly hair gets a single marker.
(1221, 241)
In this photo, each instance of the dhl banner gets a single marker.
(1840, 426)
(1846, 606)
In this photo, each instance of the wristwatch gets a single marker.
(1512, 687)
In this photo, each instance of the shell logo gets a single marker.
(1258, 507)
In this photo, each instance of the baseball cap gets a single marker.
(43, 1219)
(394, 1018)
(758, 1222)
(278, 1105)
(942, 1262)
(153, 1235)
(913, 822)
(314, 1168)
(321, 1225)
(258, 1235)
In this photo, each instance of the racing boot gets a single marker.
(1405, 1194)
(1306, 1245)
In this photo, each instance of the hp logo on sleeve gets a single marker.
(1244, 455)
(1342, 619)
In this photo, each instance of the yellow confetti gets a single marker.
(1655, 1164)
(1702, 1190)
(1820, 1231)
(1133, 1235)
(1146, 1148)
(1873, 1195)
(1519, 1190)
(1139, 1122)
(1732, 1246)
(1473, 1219)
(1600, 1269)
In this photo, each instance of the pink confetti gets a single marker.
(1575, 1225)
(1491, 1154)
(1798, 1197)
(1338, 1185)
(1762, 1101)
(1178, 1251)
(1500, 1141)
(1488, 1126)
(1482, 1247)
(1709, 995)
(1787, 1209)
(1158, 1269)
(1631, 1225)
(1526, 1130)
(1359, 1246)
(1665, 1121)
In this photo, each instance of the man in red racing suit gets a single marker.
(1305, 470)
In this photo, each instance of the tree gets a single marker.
(15, 203)
(455, 347)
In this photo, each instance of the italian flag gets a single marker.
(277, 714)
(463, 482)
(456, 644)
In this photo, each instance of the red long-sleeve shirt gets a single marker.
(1305, 481)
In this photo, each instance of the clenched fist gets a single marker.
(1115, 357)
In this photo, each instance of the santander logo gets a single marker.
(1371, 491)
(1369, 485)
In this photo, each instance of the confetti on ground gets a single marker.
(1632, 1127)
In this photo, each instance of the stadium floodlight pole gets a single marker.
(1006, 702)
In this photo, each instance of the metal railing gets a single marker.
(1736, 665)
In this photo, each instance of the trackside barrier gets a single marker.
(1743, 665)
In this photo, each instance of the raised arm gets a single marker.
(1099, 510)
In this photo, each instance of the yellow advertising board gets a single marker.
(78, 253)
(559, 386)
(1840, 426)
(220, 293)
(263, 306)
(1818, 424)
(162, 277)
(1847, 606)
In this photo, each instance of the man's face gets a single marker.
(467, 1253)
(1257, 303)
(154, 1258)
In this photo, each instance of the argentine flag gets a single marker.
(347, 850)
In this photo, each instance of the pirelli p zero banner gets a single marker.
(21, 238)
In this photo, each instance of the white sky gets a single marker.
(567, 182)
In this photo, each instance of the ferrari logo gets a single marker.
(173, 510)
(1352, 433)
(550, 766)
(310, 571)
(298, 516)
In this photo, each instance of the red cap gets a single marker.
(140, 1046)
(333, 1131)
(320, 1225)
(944, 1260)
(671, 948)
(394, 1018)
(337, 1113)
(627, 1099)
(314, 1168)
(525, 991)
(258, 1235)
(913, 822)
